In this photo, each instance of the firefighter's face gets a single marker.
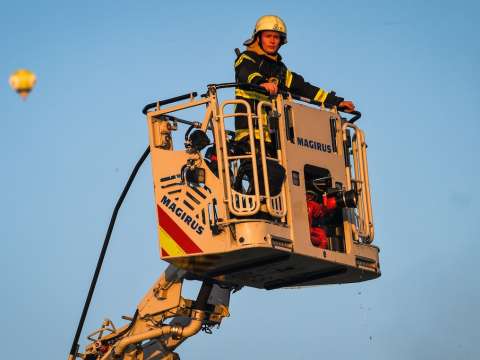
(270, 41)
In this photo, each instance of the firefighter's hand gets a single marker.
(272, 88)
(347, 106)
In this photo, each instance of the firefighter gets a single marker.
(316, 213)
(262, 65)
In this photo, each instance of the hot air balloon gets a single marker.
(23, 81)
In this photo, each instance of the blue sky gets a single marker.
(412, 68)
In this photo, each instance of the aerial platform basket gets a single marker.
(219, 216)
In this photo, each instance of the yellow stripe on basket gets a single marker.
(170, 246)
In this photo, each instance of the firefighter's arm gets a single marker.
(246, 70)
(297, 85)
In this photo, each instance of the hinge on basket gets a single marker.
(281, 242)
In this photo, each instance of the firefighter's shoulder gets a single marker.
(247, 55)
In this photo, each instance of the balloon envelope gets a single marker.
(23, 81)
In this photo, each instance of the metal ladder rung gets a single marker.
(237, 114)
(237, 157)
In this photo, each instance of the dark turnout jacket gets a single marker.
(255, 66)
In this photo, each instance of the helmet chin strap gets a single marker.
(258, 38)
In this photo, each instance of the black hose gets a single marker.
(74, 348)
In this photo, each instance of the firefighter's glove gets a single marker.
(347, 106)
(272, 88)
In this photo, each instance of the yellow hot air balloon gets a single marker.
(23, 81)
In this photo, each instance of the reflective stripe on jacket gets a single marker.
(254, 66)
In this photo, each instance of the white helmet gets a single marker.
(272, 23)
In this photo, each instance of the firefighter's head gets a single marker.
(271, 33)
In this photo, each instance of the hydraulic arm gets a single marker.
(162, 321)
